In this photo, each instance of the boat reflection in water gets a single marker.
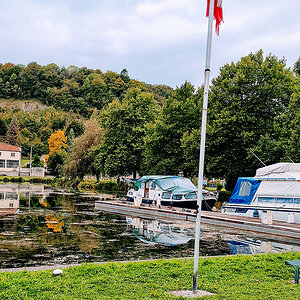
(174, 234)
(156, 232)
(253, 246)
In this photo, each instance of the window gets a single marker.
(191, 196)
(12, 196)
(177, 197)
(2, 163)
(11, 205)
(245, 189)
(12, 164)
(265, 199)
(166, 196)
(0, 153)
(284, 200)
(1, 195)
(13, 154)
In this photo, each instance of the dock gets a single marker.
(277, 228)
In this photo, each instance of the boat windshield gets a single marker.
(177, 197)
(166, 195)
(191, 196)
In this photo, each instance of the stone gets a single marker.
(57, 272)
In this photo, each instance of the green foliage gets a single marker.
(297, 67)
(56, 161)
(180, 115)
(238, 277)
(13, 133)
(36, 161)
(72, 89)
(224, 196)
(247, 99)
(80, 161)
(123, 125)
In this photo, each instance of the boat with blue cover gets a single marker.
(274, 189)
(170, 191)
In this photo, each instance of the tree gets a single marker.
(123, 123)
(36, 161)
(297, 67)
(55, 162)
(57, 141)
(163, 141)
(57, 153)
(3, 127)
(13, 133)
(246, 99)
(80, 161)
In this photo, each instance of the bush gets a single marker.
(224, 196)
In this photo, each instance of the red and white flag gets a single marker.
(218, 13)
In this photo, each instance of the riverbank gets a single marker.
(231, 277)
(88, 185)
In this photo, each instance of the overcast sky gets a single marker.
(157, 41)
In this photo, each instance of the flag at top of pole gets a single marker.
(218, 13)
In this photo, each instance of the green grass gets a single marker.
(239, 277)
(24, 162)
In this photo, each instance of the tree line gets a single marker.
(75, 89)
(253, 104)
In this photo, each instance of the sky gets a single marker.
(157, 41)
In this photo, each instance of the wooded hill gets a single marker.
(72, 89)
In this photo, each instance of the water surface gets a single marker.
(40, 225)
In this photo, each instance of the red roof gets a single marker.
(7, 147)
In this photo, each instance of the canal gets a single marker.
(41, 225)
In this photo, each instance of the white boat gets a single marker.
(170, 191)
(273, 193)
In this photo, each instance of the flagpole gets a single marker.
(202, 144)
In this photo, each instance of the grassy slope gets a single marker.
(239, 277)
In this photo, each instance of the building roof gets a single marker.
(8, 147)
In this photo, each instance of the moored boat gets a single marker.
(170, 191)
(275, 190)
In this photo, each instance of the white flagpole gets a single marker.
(202, 144)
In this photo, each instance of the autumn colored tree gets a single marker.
(57, 153)
(57, 141)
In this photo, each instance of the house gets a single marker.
(9, 199)
(10, 159)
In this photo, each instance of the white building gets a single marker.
(10, 159)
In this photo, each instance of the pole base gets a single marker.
(191, 294)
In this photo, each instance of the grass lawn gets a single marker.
(24, 162)
(238, 277)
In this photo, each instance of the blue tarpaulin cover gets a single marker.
(244, 190)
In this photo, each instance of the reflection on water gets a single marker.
(253, 246)
(40, 225)
(155, 232)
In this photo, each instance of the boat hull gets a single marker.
(207, 204)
